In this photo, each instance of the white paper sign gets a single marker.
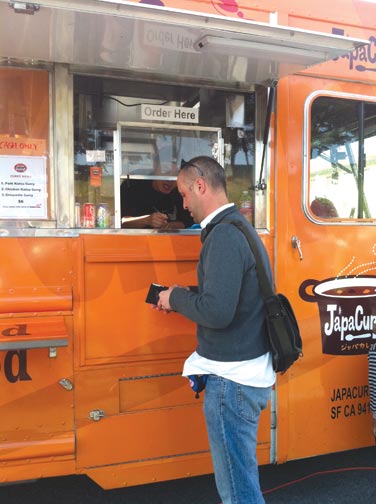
(23, 187)
(94, 156)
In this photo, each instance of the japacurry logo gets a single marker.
(227, 6)
(363, 58)
(347, 307)
(20, 168)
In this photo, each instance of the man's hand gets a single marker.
(164, 299)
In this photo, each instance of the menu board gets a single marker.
(23, 183)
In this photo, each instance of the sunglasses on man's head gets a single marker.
(187, 164)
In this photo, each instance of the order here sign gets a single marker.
(169, 114)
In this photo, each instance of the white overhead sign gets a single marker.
(169, 114)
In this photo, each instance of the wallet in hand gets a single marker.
(153, 294)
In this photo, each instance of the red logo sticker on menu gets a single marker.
(20, 168)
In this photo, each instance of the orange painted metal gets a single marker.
(309, 421)
(37, 412)
(132, 358)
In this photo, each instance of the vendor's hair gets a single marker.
(207, 168)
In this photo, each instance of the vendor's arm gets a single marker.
(155, 220)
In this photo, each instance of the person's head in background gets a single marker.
(323, 207)
(164, 186)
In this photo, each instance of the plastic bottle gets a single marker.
(246, 206)
(260, 204)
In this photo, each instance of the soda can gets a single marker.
(88, 215)
(103, 215)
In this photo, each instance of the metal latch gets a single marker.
(24, 7)
(65, 383)
(96, 414)
(295, 242)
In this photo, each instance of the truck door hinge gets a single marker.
(96, 415)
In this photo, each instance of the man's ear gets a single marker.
(201, 185)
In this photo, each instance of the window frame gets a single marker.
(307, 158)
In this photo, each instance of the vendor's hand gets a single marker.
(158, 220)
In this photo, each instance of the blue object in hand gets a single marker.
(197, 383)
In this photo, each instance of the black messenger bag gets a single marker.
(284, 335)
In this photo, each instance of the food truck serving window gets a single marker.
(131, 139)
(24, 159)
(342, 159)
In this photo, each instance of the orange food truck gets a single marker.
(97, 94)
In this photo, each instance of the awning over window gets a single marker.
(160, 41)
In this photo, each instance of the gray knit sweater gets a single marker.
(228, 307)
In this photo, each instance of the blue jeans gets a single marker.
(232, 413)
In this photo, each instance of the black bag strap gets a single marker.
(265, 285)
